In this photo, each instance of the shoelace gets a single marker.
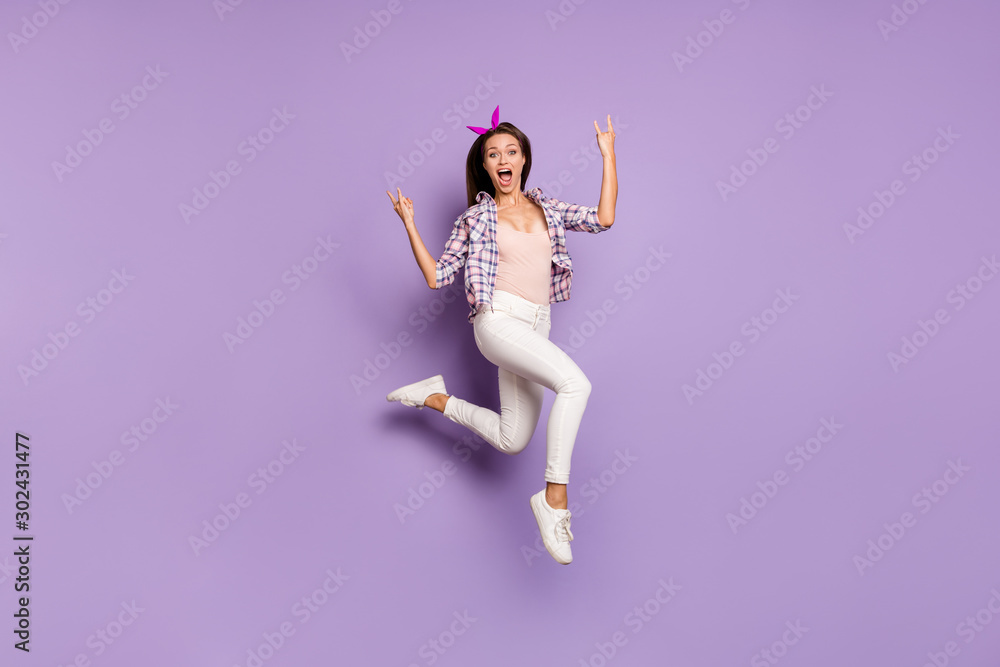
(563, 533)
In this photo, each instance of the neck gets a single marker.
(507, 201)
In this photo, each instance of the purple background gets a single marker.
(471, 546)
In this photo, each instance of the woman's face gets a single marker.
(502, 155)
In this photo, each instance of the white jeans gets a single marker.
(515, 337)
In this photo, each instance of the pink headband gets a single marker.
(483, 130)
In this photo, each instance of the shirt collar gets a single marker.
(534, 194)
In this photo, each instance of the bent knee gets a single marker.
(513, 446)
(577, 385)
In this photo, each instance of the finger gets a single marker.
(610, 129)
(391, 198)
(597, 127)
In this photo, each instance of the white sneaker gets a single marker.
(415, 394)
(554, 526)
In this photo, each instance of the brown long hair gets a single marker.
(476, 178)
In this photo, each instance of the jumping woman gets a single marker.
(513, 247)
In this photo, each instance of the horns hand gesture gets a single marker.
(606, 140)
(403, 206)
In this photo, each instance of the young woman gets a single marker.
(512, 245)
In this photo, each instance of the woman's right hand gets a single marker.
(403, 206)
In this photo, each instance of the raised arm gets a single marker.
(609, 181)
(437, 273)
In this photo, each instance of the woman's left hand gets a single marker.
(606, 140)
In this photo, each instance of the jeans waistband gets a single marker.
(512, 303)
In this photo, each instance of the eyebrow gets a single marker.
(508, 146)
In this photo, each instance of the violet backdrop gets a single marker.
(789, 454)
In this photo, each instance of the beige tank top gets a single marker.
(525, 264)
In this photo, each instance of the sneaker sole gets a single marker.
(535, 509)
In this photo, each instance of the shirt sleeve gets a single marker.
(578, 218)
(455, 252)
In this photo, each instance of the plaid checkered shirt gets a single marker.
(473, 244)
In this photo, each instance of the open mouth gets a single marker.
(505, 176)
